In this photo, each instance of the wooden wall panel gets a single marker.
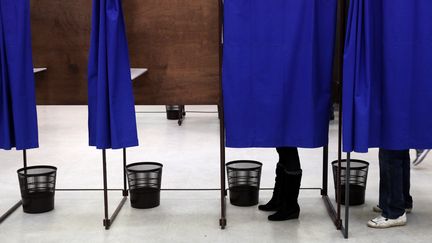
(176, 39)
(61, 36)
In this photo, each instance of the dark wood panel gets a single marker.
(176, 39)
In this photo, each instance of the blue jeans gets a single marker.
(394, 195)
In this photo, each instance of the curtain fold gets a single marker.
(387, 85)
(18, 116)
(111, 121)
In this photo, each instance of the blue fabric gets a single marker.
(277, 72)
(387, 82)
(18, 118)
(112, 121)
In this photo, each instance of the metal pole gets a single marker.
(25, 158)
(222, 221)
(324, 189)
(106, 221)
(25, 171)
(117, 210)
(339, 76)
(125, 190)
(347, 193)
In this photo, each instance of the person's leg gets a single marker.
(395, 200)
(289, 208)
(289, 158)
(392, 201)
(407, 181)
(383, 183)
(275, 202)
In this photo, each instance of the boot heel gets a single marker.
(284, 215)
(294, 215)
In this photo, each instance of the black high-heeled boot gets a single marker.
(289, 208)
(275, 202)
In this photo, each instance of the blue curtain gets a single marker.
(112, 121)
(277, 72)
(18, 118)
(387, 82)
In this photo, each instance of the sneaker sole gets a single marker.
(386, 226)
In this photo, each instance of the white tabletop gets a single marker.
(136, 72)
(38, 70)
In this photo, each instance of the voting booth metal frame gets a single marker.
(334, 213)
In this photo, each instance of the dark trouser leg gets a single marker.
(407, 181)
(289, 158)
(392, 199)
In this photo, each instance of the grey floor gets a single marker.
(190, 156)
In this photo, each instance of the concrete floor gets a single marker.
(190, 155)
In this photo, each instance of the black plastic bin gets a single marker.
(174, 112)
(37, 184)
(357, 180)
(244, 178)
(144, 184)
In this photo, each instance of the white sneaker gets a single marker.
(382, 223)
(377, 209)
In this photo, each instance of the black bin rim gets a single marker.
(257, 163)
(128, 167)
(358, 164)
(22, 173)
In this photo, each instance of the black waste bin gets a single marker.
(144, 184)
(244, 178)
(174, 112)
(37, 184)
(357, 180)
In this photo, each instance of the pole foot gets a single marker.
(339, 224)
(323, 192)
(107, 223)
(222, 223)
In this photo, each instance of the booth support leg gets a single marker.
(347, 195)
(222, 221)
(106, 221)
(25, 158)
(125, 190)
(324, 189)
